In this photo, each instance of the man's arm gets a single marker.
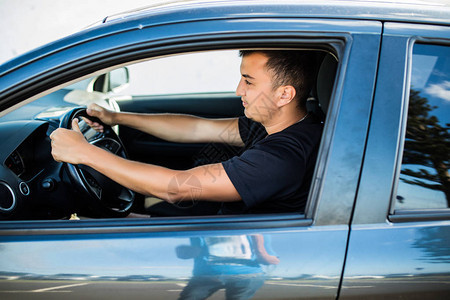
(209, 182)
(173, 127)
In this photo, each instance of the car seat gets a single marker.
(322, 91)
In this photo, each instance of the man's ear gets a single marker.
(286, 95)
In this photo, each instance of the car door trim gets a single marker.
(166, 224)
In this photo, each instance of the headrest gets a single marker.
(325, 81)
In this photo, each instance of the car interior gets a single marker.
(35, 187)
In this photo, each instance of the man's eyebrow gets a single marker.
(247, 76)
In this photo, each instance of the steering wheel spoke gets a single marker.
(92, 184)
(108, 144)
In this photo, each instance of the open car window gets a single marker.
(200, 84)
(203, 72)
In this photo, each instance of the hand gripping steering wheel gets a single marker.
(105, 197)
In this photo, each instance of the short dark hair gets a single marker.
(290, 67)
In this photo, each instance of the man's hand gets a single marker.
(69, 145)
(106, 116)
(261, 253)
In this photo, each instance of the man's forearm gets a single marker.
(170, 127)
(183, 128)
(209, 182)
(133, 175)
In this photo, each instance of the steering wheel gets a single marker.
(105, 197)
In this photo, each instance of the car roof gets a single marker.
(411, 11)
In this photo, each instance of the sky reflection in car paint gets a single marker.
(399, 249)
(81, 257)
(119, 258)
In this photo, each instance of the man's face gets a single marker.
(255, 88)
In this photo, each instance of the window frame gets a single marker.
(380, 172)
(405, 214)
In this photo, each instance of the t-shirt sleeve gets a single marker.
(268, 170)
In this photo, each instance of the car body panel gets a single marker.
(407, 253)
(434, 12)
(121, 260)
(386, 138)
(409, 260)
(346, 129)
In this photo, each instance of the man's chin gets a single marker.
(247, 114)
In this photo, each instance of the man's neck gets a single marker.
(283, 121)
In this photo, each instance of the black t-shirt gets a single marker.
(274, 173)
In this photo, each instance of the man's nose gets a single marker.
(239, 89)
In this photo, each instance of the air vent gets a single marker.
(7, 198)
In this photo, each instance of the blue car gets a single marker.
(377, 220)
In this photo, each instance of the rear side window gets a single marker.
(424, 178)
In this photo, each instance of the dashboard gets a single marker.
(16, 163)
(33, 186)
(31, 156)
(28, 171)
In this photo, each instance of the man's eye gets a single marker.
(248, 82)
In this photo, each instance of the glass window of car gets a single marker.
(424, 178)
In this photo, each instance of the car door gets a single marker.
(158, 258)
(400, 233)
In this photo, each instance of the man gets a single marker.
(281, 140)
